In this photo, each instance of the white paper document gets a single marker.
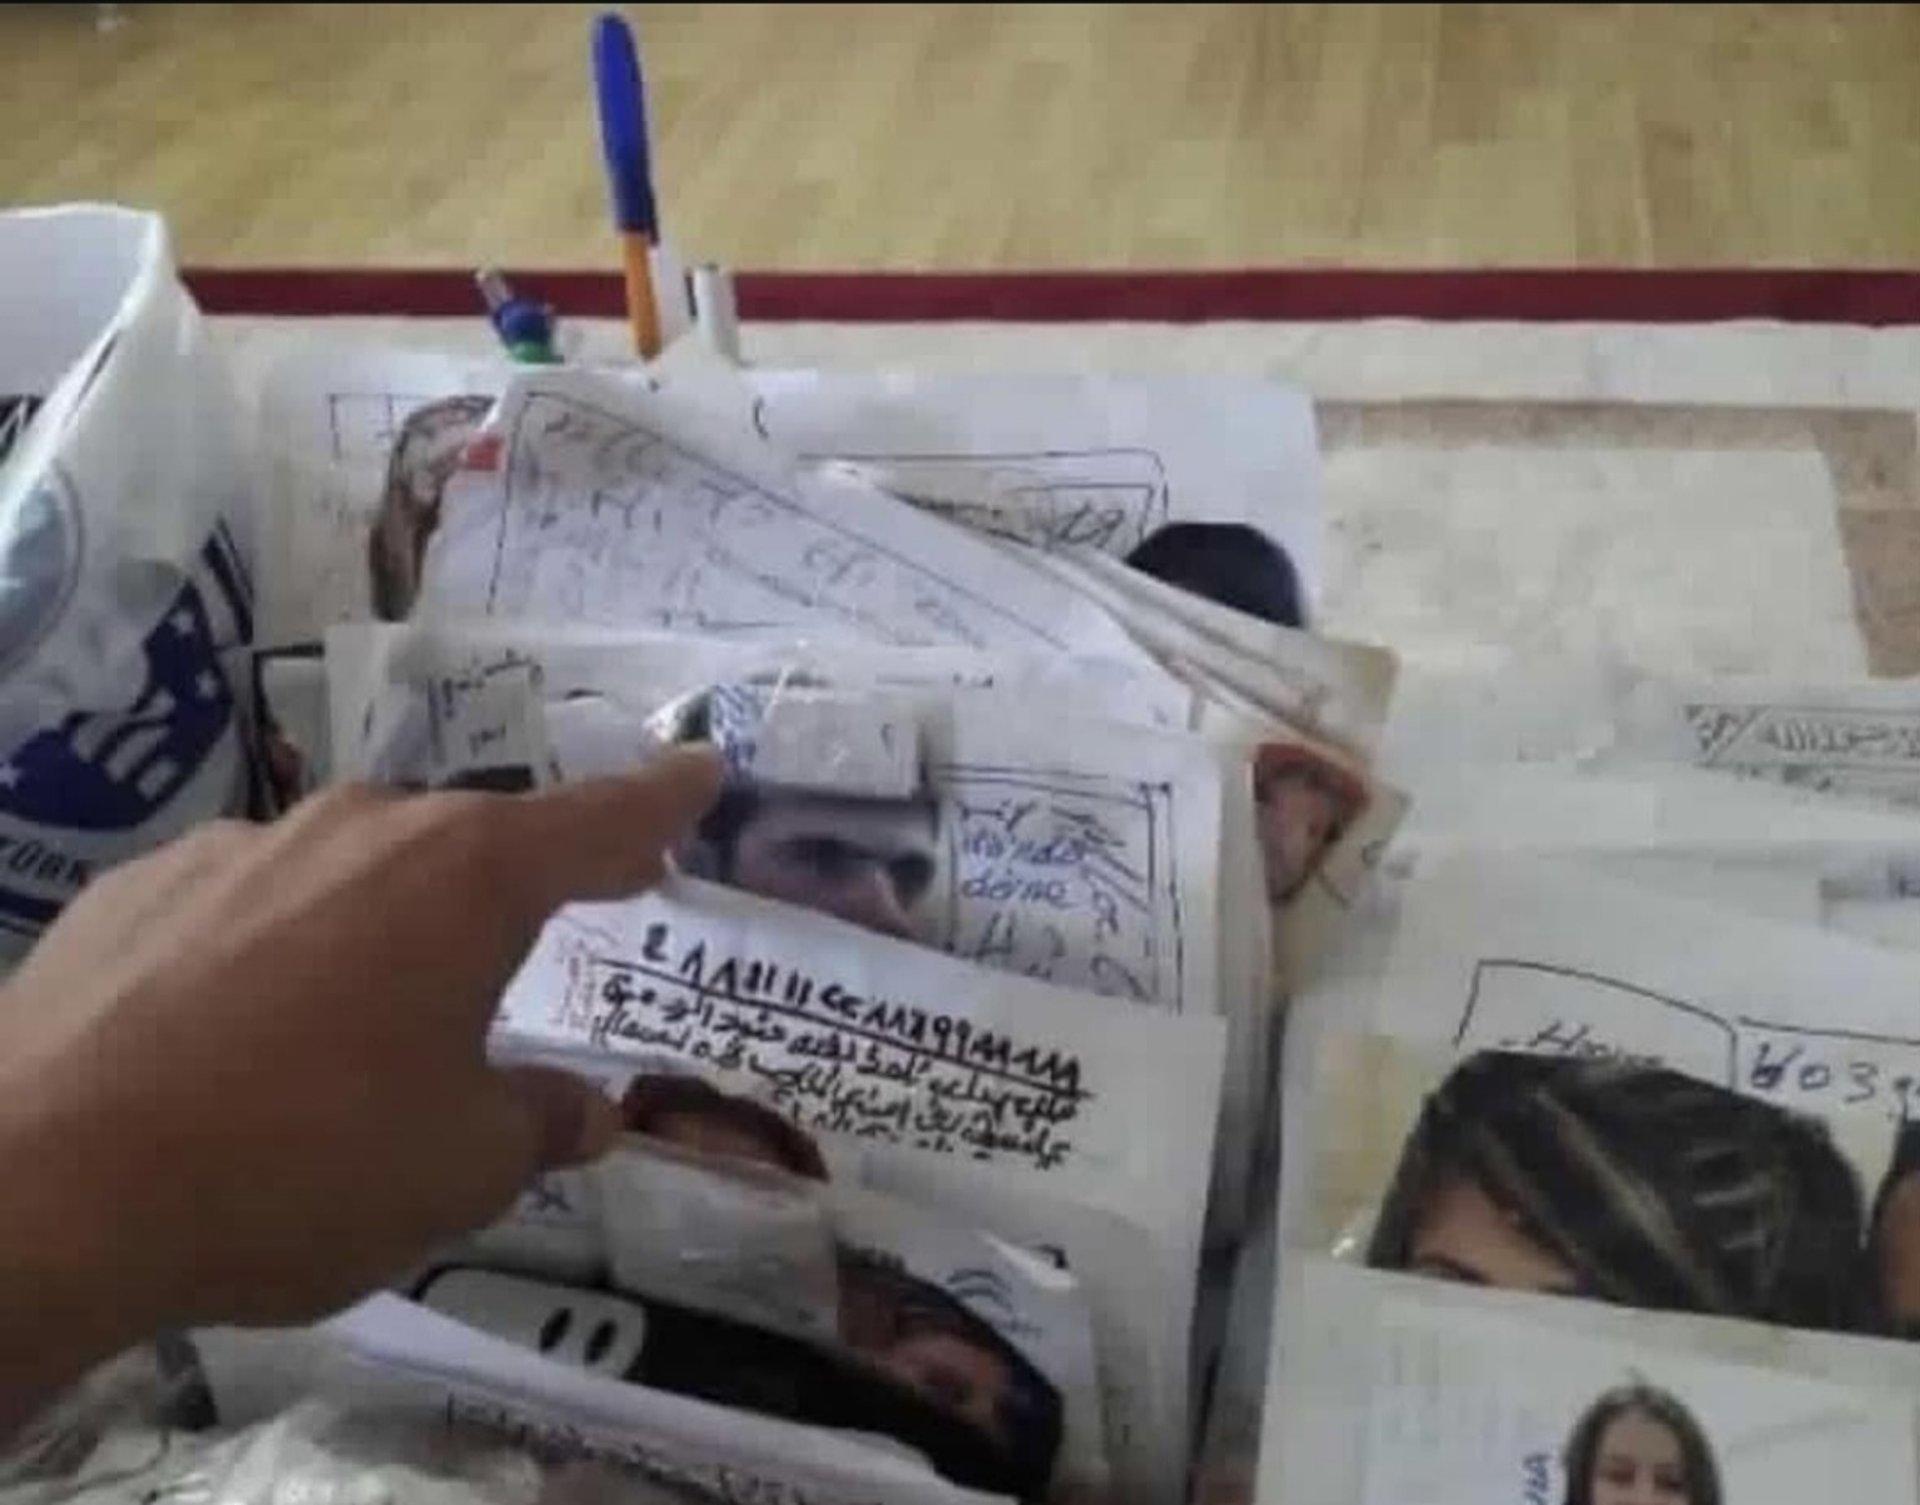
(331, 417)
(1858, 740)
(1513, 709)
(834, 1264)
(642, 671)
(1100, 462)
(715, 1451)
(1386, 1394)
(993, 1098)
(974, 951)
(1329, 687)
(584, 499)
(1138, 1292)
(1117, 861)
(1522, 807)
(1072, 851)
(1509, 955)
(870, 1038)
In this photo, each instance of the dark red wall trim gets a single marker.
(1641, 297)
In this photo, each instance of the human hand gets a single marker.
(244, 1079)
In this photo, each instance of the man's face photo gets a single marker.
(1302, 805)
(869, 862)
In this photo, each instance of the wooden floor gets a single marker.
(993, 136)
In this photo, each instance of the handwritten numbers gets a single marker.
(1820, 1072)
(836, 1060)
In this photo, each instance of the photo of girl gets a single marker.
(424, 456)
(1637, 1445)
(1303, 803)
(1626, 1183)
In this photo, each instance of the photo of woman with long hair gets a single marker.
(1638, 1445)
(1628, 1183)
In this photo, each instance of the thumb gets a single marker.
(605, 838)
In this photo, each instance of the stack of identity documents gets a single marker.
(1113, 1040)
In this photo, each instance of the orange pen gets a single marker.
(643, 308)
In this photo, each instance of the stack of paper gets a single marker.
(947, 1052)
(1600, 1176)
(1107, 1044)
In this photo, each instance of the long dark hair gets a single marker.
(1696, 1454)
(1227, 563)
(882, 1302)
(1657, 1190)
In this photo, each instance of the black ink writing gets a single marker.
(1536, 1476)
(1822, 1070)
(839, 1060)
(1061, 880)
(1570, 1037)
(673, 539)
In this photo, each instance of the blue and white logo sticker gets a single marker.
(101, 786)
(40, 551)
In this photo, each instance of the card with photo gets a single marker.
(1608, 1179)
(1469, 1401)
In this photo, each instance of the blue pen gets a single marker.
(623, 140)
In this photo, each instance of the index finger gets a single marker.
(604, 838)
